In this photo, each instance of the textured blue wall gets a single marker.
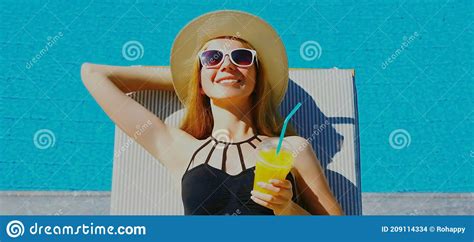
(425, 89)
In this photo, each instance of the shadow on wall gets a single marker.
(311, 123)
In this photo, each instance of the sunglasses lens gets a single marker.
(242, 57)
(211, 57)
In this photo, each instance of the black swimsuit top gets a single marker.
(207, 190)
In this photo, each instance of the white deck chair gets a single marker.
(141, 185)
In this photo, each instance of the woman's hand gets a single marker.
(280, 202)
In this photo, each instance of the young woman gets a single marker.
(230, 70)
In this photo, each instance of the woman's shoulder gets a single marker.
(296, 139)
(292, 138)
(297, 142)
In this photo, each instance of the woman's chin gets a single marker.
(229, 95)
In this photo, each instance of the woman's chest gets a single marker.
(232, 159)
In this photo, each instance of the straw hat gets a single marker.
(270, 49)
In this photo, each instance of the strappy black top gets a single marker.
(207, 190)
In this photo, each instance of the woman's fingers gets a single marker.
(261, 202)
(271, 199)
(281, 183)
(268, 186)
(280, 197)
(263, 196)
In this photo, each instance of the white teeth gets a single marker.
(229, 81)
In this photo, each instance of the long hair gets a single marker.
(199, 121)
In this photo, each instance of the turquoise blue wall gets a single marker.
(426, 90)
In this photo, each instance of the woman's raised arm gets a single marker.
(108, 85)
(135, 78)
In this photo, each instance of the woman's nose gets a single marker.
(227, 64)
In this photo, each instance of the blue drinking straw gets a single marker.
(287, 119)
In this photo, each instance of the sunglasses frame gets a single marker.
(228, 52)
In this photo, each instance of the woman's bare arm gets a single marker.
(136, 78)
(312, 184)
(108, 85)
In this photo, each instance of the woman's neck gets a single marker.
(232, 118)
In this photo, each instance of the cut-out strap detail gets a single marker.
(235, 143)
(210, 153)
(224, 156)
(197, 151)
(242, 163)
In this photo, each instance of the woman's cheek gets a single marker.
(206, 79)
(206, 76)
(250, 74)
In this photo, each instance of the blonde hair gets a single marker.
(199, 120)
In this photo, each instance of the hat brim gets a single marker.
(270, 49)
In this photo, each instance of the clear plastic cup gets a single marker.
(269, 165)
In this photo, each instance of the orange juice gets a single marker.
(269, 165)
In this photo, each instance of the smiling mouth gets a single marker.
(228, 81)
